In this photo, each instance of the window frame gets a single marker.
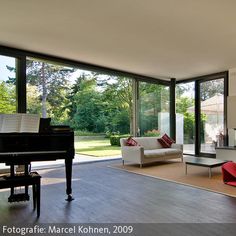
(198, 80)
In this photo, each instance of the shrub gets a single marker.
(109, 133)
(152, 133)
(115, 139)
(87, 133)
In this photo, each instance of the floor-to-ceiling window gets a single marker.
(7, 87)
(201, 113)
(88, 101)
(7, 84)
(211, 114)
(154, 109)
(96, 105)
(185, 116)
(51, 85)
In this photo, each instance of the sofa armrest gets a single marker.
(177, 146)
(132, 153)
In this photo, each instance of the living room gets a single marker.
(178, 64)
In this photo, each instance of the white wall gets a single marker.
(164, 122)
(232, 92)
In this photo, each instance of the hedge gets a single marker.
(115, 139)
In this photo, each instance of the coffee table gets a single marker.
(205, 162)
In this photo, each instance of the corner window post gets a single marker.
(172, 109)
(21, 84)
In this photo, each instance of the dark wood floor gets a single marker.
(107, 195)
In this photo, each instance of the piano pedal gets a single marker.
(18, 197)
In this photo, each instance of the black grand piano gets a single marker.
(52, 143)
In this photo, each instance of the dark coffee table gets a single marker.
(205, 162)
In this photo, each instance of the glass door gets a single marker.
(211, 115)
(185, 116)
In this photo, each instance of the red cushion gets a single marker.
(163, 143)
(168, 139)
(229, 173)
(231, 183)
(131, 142)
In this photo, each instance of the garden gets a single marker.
(99, 107)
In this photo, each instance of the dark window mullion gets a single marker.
(21, 84)
(172, 109)
(197, 119)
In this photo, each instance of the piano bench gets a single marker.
(33, 178)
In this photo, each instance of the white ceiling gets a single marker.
(157, 38)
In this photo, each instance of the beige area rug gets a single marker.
(174, 171)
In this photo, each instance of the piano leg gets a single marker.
(68, 164)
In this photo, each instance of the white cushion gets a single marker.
(161, 152)
(154, 153)
(148, 143)
(172, 151)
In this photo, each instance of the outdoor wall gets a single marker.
(232, 92)
(179, 128)
(164, 122)
(163, 125)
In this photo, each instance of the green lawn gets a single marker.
(96, 147)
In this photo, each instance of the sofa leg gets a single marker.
(123, 162)
(182, 159)
(141, 165)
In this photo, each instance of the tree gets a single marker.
(118, 95)
(52, 84)
(47, 89)
(211, 88)
(183, 102)
(11, 80)
(76, 87)
(100, 103)
(154, 98)
(7, 98)
(33, 99)
(89, 114)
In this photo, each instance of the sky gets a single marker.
(10, 61)
(4, 72)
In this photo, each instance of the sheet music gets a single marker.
(10, 123)
(30, 123)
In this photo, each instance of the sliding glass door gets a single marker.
(201, 114)
(211, 115)
(185, 117)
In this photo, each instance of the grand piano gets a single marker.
(55, 142)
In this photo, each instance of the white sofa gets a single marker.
(150, 150)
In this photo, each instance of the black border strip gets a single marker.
(213, 76)
(14, 52)
(172, 109)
